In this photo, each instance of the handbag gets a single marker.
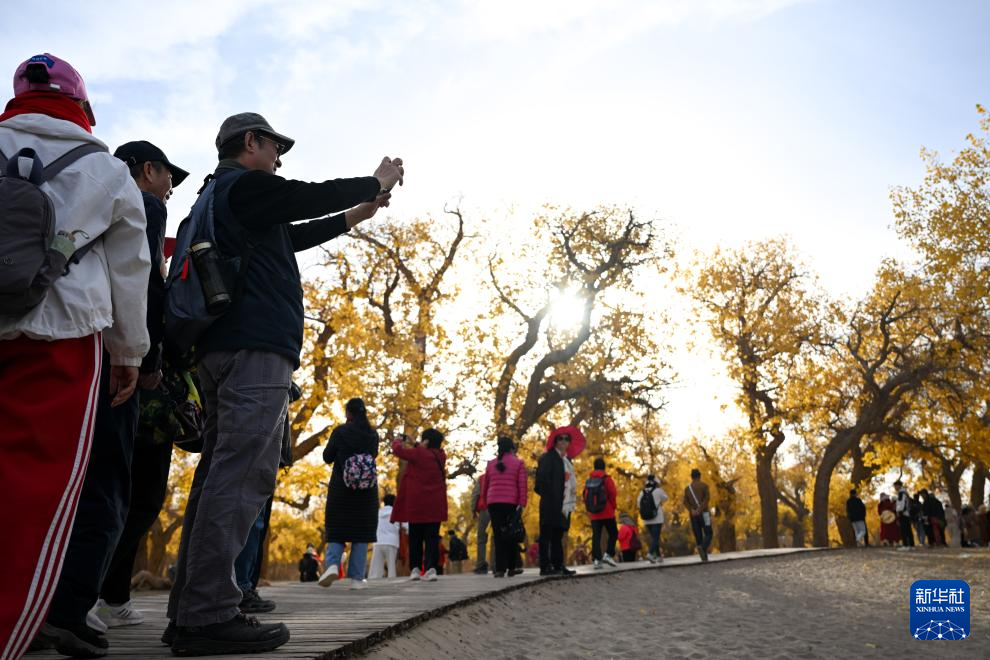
(514, 529)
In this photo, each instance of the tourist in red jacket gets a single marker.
(422, 500)
(505, 494)
(597, 482)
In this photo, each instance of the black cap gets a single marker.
(142, 151)
(237, 125)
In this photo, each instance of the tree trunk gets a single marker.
(977, 490)
(798, 535)
(952, 478)
(800, 529)
(141, 558)
(767, 489)
(846, 532)
(837, 447)
(727, 536)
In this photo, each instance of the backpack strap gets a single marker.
(71, 156)
(62, 162)
(11, 167)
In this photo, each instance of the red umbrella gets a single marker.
(578, 441)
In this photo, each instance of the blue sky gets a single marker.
(732, 120)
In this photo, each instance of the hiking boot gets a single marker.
(253, 603)
(242, 634)
(597, 564)
(43, 641)
(169, 635)
(430, 575)
(77, 641)
(115, 616)
(414, 574)
(608, 560)
(330, 575)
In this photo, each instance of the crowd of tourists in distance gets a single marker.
(408, 524)
(922, 520)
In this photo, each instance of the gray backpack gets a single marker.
(32, 254)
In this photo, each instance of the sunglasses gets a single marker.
(279, 148)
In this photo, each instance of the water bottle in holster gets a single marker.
(209, 267)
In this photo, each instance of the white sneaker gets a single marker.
(93, 619)
(650, 558)
(608, 560)
(358, 584)
(430, 575)
(414, 574)
(116, 616)
(597, 564)
(330, 575)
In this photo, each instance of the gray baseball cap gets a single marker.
(239, 124)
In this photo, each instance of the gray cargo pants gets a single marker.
(245, 396)
(481, 554)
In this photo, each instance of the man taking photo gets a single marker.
(246, 359)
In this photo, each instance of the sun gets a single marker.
(567, 310)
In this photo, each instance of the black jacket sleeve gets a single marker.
(330, 451)
(316, 232)
(154, 210)
(261, 200)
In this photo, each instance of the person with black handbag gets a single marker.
(506, 491)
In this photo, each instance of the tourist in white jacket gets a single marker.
(386, 548)
(651, 500)
(51, 353)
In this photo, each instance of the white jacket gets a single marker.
(108, 289)
(659, 497)
(388, 532)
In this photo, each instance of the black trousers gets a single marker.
(551, 547)
(608, 524)
(702, 532)
(149, 479)
(102, 509)
(420, 535)
(907, 531)
(506, 553)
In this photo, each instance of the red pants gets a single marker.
(936, 523)
(48, 396)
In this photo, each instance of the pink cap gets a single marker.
(62, 78)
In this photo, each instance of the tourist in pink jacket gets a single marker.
(505, 493)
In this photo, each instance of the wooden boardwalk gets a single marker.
(338, 622)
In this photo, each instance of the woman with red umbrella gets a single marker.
(557, 488)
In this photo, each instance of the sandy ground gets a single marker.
(841, 604)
